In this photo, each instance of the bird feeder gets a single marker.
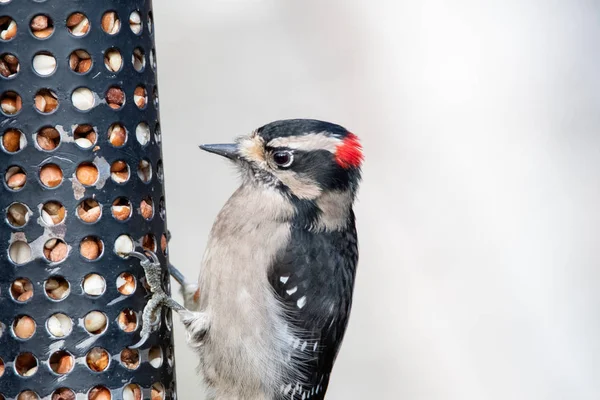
(82, 186)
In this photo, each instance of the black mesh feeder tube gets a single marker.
(82, 186)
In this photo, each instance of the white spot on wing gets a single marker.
(292, 290)
(284, 279)
(301, 302)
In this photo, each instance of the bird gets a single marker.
(269, 311)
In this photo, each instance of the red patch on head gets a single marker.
(349, 153)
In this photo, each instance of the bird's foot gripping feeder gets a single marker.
(81, 189)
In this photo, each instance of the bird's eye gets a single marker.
(283, 158)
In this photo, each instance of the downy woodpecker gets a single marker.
(270, 308)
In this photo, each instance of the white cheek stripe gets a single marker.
(308, 142)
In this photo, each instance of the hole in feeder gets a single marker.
(123, 246)
(15, 178)
(78, 24)
(127, 320)
(140, 97)
(85, 136)
(57, 288)
(83, 99)
(8, 28)
(26, 364)
(111, 23)
(13, 140)
(89, 211)
(23, 327)
(17, 215)
(159, 170)
(87, 173)
(142, 133)
(80, 61)
(121, 209)
(53, 213)
(1, 369)
(95, 322)
(126, 284)
(149, 242)
(119, 171)
(157, 134)
(157, 392)
(55, 250)
(132, 392)
(59, 325)
(145, 170)
(19, 252)
(138, 59)
(63, 394)
(9, 65)
(44, 63)
(162, 210)
(153, 59)
(150, 21)
(130, 358)
(169, 323)
(10, 102)
(117, 135)
(28, 395)
(21, 290)
(91, 248)
(147, 208)
(99, 393)
(115, 98)
(51, 175)
(61, 362)
(169, 352)
(47, 138)
(97, 359)
(46, 101)
(135, 22)
(113, 60)
(94, 285)
(41, 26)
(155, 357)
(164, 244)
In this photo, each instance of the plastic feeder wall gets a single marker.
(82, 182)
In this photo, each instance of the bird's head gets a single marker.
(307, 160)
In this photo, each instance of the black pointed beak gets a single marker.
(229, 150)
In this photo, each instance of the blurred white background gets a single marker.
(479, 213)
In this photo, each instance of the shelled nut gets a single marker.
(24, 327)
(117, 135)
(28, 395)
(127, 320)
(138, 59)
(19, 252)
(97, 359)
(63, 394)
(83, 99)
(10, 103)
(144, 171)
(123, 245)
(95, 322)
(78, 24)
(44, 63)
(157, 392)
(94, 285)
(59, 325)
(155, 357)
(51, 175)
(15, 177)
(132, 392)
(80, 61)
(91, 248)
(115, 98)
(9, 65)
(140, 97)
(8, 28)
(87, 174)
(99, 393)
(21, 289)
(46, 101)
(57, 288)
(111, 23)
(130, 358)
(147, 208)
(26, 364)
(126, 284)
(113, 60)
(48, 138)
(55, 250)
(41, 26)
(119, 171)
(17, 214)
(61, 362)
(89, 210)
(53, 213)
(149, 242)
(142, 133)
(1, 367)
(121, 209)
(135, 22)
